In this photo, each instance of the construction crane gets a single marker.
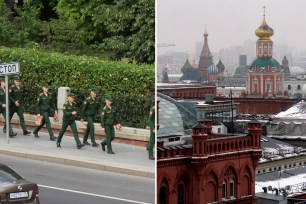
(165, 45)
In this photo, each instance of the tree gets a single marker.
(127, 27)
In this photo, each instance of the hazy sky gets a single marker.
(229, 22)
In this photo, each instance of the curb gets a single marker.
(78, 163)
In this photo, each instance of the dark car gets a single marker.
(15, 189)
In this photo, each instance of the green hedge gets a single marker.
(80, 72)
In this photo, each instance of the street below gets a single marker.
(72, 185)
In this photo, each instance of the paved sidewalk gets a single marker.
(129, 159)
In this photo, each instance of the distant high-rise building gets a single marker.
(165, 78)
(242, 60)
(285, 65)
(240, 70)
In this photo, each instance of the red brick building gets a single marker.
(187, 91)
(214, 168)
(261, 105)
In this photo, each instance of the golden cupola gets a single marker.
(264, 32)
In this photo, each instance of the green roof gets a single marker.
(264, 62)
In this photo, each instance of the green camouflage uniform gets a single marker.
(3, 110)
(43, 107)
(90, 107)
(16, 95)
(108, 120)
(69, 120)
(151, 124)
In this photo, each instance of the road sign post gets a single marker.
(7, 69)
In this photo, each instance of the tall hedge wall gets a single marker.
(80, 72)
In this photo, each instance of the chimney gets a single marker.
(266, 154)
(281, 152)
(276, 191)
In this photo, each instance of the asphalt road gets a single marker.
(73, 185)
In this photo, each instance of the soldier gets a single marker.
(3, 105)
(43, 108)
(151, 126)
(108, 120)
(70, 112)
(90, 107)
(15, 105)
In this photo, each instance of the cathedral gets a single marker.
(206, 71)
(265, 76)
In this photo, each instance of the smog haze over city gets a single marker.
(228, 23)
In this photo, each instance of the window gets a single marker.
(163, 195)
(219, 130)
(224, 189)
(298, 87)
(180, 194)
(232, 187)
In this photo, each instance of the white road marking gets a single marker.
(92, 194)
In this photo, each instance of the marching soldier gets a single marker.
(151, 126)
(3, 105)
(70, 112)
(15, 105)
(43, 108)
(108, 120)
(90, 107)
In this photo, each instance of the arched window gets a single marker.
(180, 194)
(163, 195)
(232, 187)
(224, 189)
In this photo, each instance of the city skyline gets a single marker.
(241, 22)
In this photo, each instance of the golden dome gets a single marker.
(205, 33)
(264, 32)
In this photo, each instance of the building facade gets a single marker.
(186, 91)
(214, 168)
(265, 76)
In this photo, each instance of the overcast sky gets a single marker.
(229, 22)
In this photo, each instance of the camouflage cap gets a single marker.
(71, 95)
(108, 97)
(93, 90)
(17, 78)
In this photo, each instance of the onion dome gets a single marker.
(186, 66)
(264, 32)
(221, 66)
(265, 62)
(213, 69)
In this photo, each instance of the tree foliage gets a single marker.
(116, 28)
